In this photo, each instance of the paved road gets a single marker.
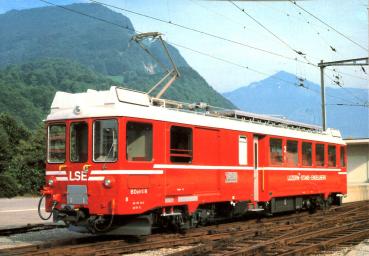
(19, 211)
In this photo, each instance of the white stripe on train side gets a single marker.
(216, 167)
(300, 169)
(62, 178)
(56, 173)
(96, 178)
(189, 167)
(202, 167)
(113, 172)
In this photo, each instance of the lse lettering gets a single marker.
(78, 176)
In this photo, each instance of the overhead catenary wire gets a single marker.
(332, 48)
(259, 72)
(346, 90)
(298, 52)
(326, 24)
(307, 62)
(348, 105)
(128, 28)
(204, 33)
(304, 20)
(284, 42)
(185, 47)
(267, 29)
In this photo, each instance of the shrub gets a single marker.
(8, 186)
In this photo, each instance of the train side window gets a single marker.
(78, 142)
(307, 150)
(139, 141)
(105, 139)
(56, 143)
(332, 156)
(180, 144)
(275, 151)
(319, 155)
(292, 153)
(242, 150)
(343, 163)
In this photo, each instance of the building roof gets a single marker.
(357, 141)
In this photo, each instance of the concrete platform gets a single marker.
(19, 211)
(357, 192)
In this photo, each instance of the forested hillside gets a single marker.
(22, 158)
(27, 90)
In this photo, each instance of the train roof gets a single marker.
(124, 102)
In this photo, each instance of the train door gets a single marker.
(78, 166)
(256, 168)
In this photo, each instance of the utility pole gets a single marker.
(322, 65)
(322, 93)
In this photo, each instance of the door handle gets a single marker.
(62, 167)
(85, 168)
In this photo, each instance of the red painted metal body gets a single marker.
(138, 186)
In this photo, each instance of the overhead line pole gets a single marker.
(322, 93)
(322, 65)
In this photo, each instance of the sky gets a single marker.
(244, 64)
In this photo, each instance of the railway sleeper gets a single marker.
(328, 243)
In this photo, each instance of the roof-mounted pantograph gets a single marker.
(171, 73)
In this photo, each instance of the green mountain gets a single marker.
(54, 49)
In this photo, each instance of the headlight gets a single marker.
(107, 183)
(50, 182)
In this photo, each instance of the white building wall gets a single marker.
(358, 170)
(358, 163)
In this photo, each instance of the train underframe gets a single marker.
(177, 218)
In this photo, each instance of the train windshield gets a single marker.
(105, 141)
(56, 143)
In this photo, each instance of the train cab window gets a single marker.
(332, 156)
(139, 141)
(275, 151)
(105, 137)
(180, 144)
(319, 155)
(343, 162)
(78, 142)
(292, 153)
(56, 143)
(307, 152)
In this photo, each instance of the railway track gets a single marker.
(27, 228)
(296, 234)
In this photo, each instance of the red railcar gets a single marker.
(123, 162)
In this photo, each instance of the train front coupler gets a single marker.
(46, 193)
